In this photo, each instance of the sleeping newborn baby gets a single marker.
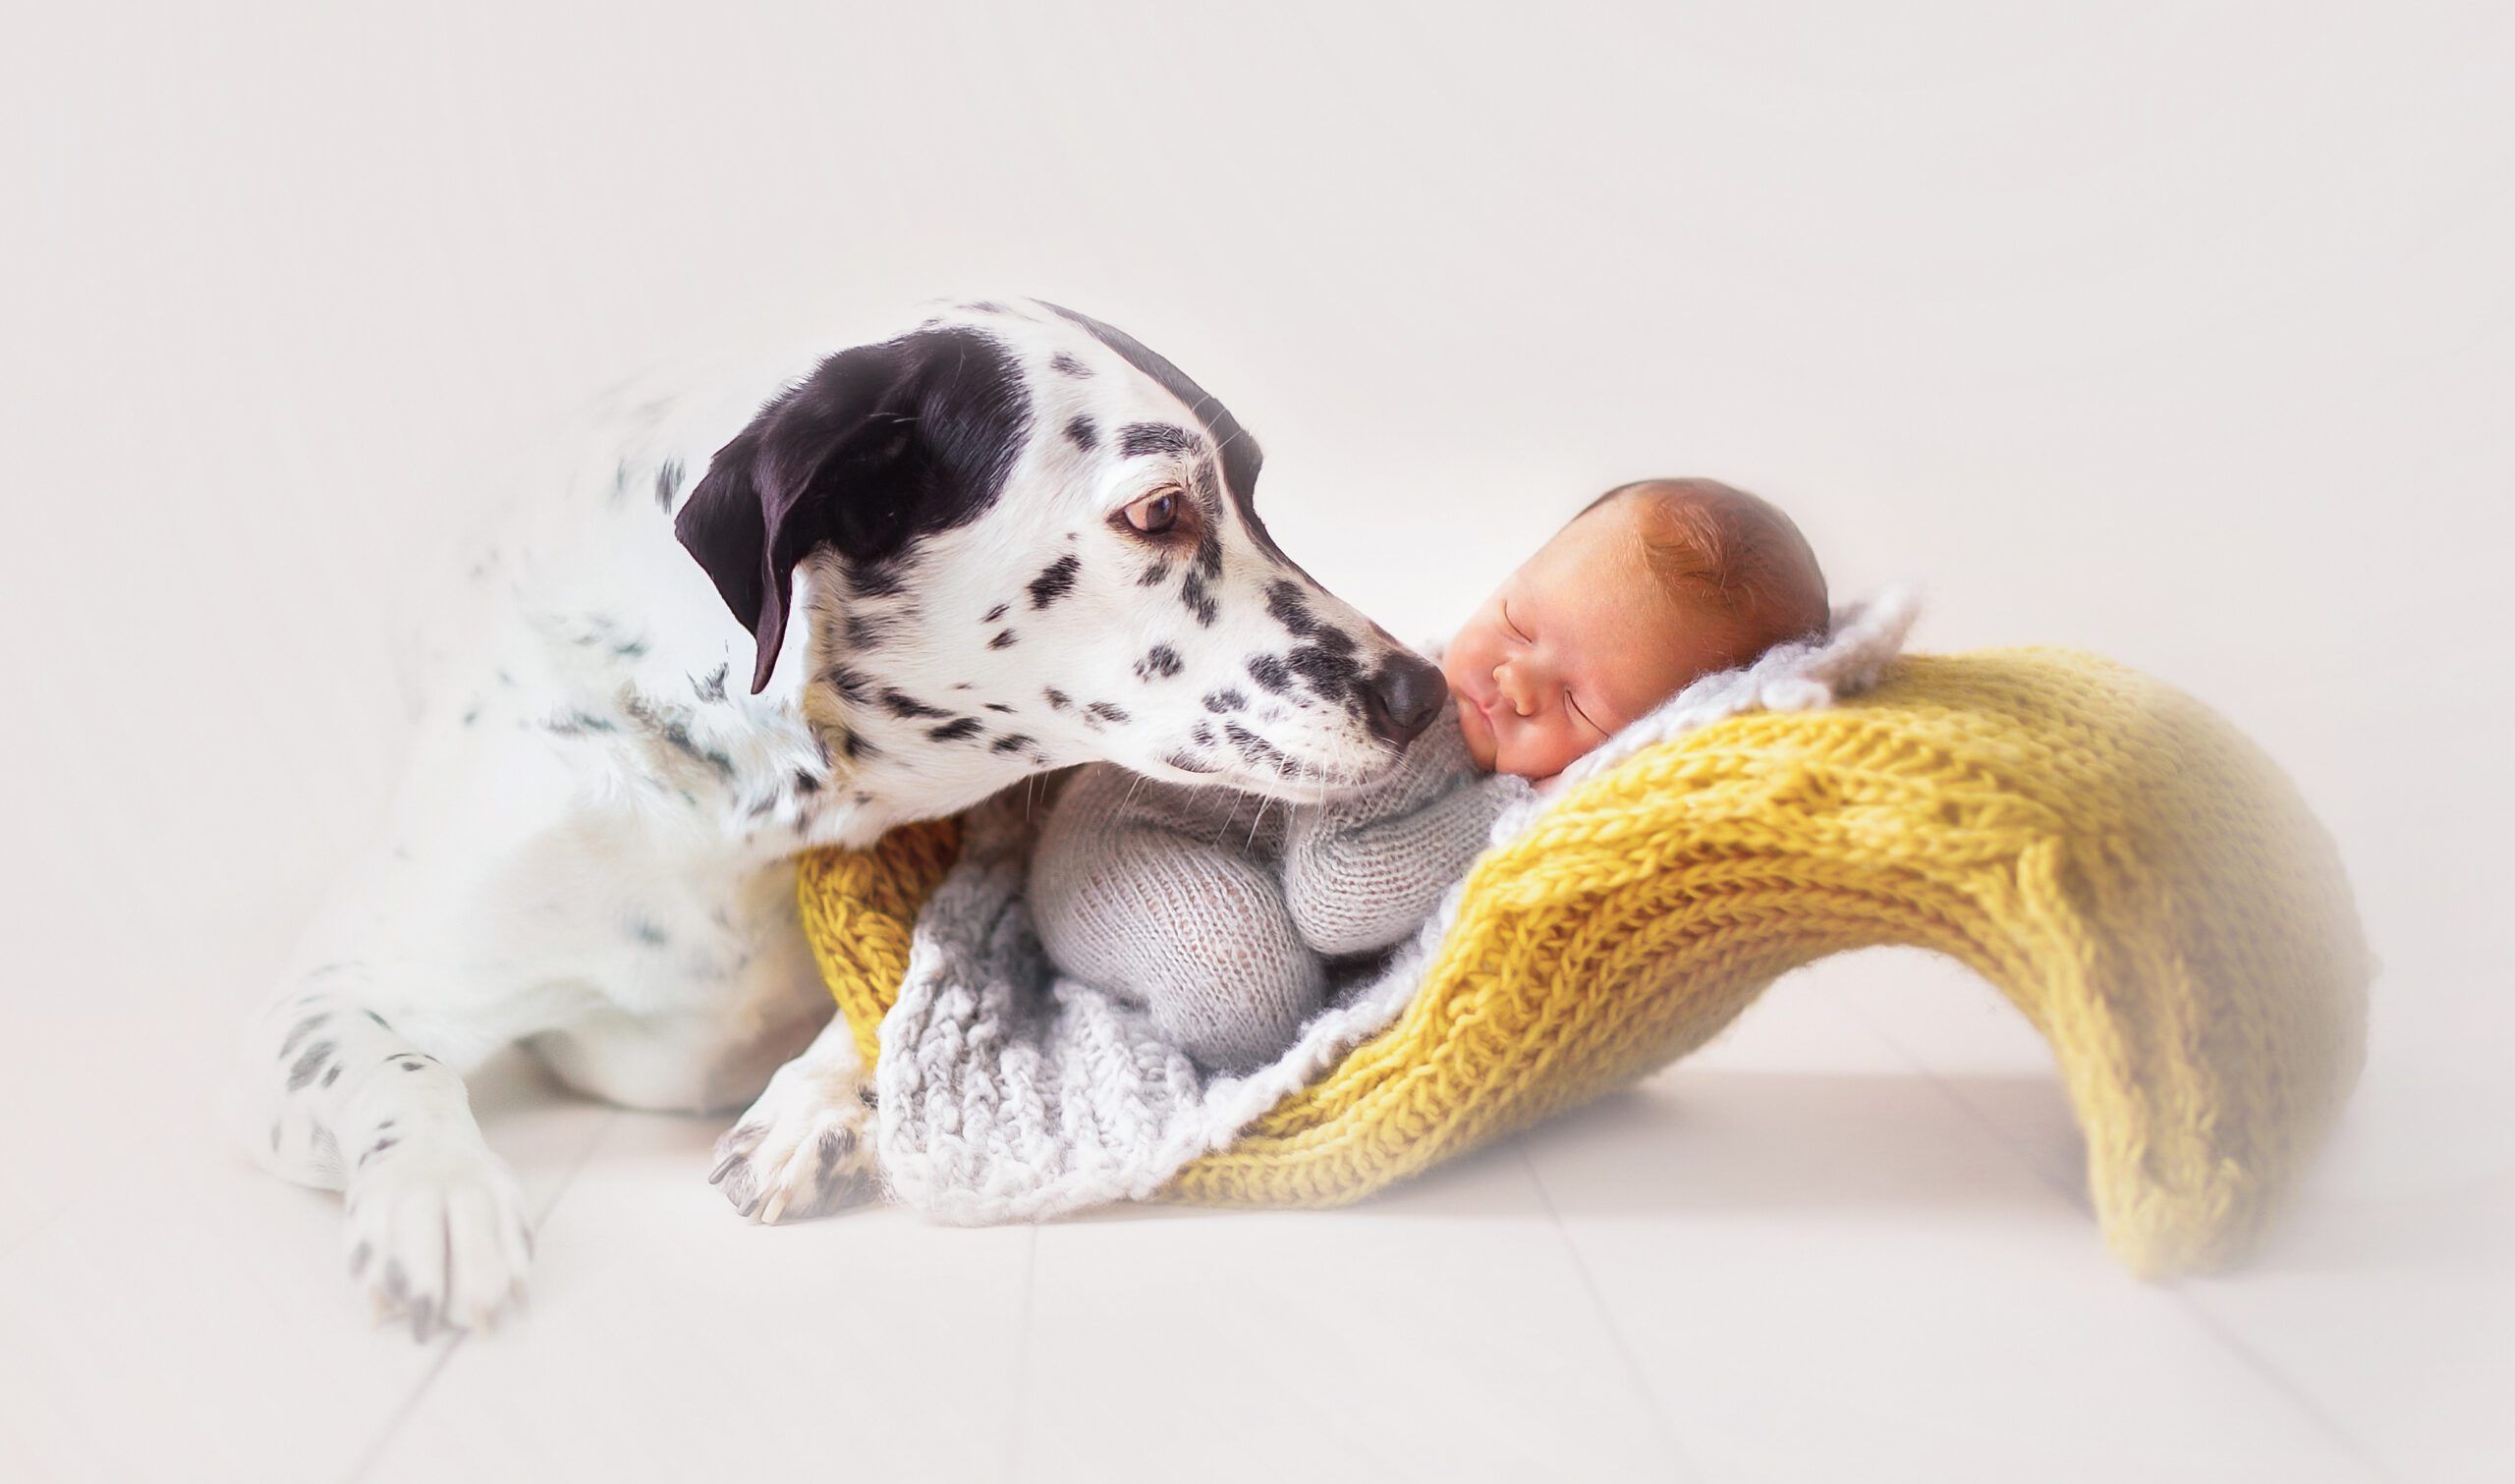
(1221, 916)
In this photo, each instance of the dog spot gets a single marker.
(308, 1065)
(1205, 734)
(1210, 552)
(961, 729)
(1083, 434)
(1106, 712)
(1268, 670)
(1333, 639)
(906, 706)
(996, 613)
(378, 1019)
(299, 1032)
(473, 715)
(1228, 698)
(1160, 662)
(984, 307)
(1058, 699)
(648, 932)
(1329, 674)
(1000, 707)
(712, 686)
(1010, 741)
(1139, 439)
(667, 484)
(1003, 640)
(577, 722)
(1255, 749)
(1054, 581)
(806, 782)
(1285, 602)
(409, 1066)
(1154, 575)
(1193, 594)
(830, 1148)
(868, 631)
(876, 579)
(1064, 364)
(673, 726)
(851, 684)
(331, 1075)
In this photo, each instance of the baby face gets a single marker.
(1578, 641)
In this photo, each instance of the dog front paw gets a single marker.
(437, 1237)
(805, 1149)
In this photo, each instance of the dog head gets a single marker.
(1025, 541)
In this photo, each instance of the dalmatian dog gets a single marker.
(791, 608)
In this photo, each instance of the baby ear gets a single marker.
(816, 467)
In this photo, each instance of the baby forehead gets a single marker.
(1603, 544)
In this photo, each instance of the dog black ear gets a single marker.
(810, 469)
(878, 444)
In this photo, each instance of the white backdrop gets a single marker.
(2182, 331)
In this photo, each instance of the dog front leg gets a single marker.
(805, 1147)
(332, 1095)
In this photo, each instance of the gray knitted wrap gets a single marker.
(1217, 912)
(1008, 1093)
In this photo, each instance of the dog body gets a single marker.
(1017, 539)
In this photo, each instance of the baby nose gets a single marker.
(1514, 687)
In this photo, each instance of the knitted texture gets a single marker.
(2126, 868)
(1217, 911)
(1005, 1091)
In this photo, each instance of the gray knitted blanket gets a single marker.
(1008, 1093)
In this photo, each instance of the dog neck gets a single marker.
(897, 749)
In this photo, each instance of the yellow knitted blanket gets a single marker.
(2136, 878)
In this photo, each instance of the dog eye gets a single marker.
(1154, 514)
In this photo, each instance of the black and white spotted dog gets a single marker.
(1017, 539)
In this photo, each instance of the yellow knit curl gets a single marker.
(2125, 866)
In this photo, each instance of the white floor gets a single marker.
(2180, 331)
(1847, 1241)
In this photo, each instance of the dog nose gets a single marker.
(1402, 699)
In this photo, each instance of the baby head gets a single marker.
(1652, 586)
